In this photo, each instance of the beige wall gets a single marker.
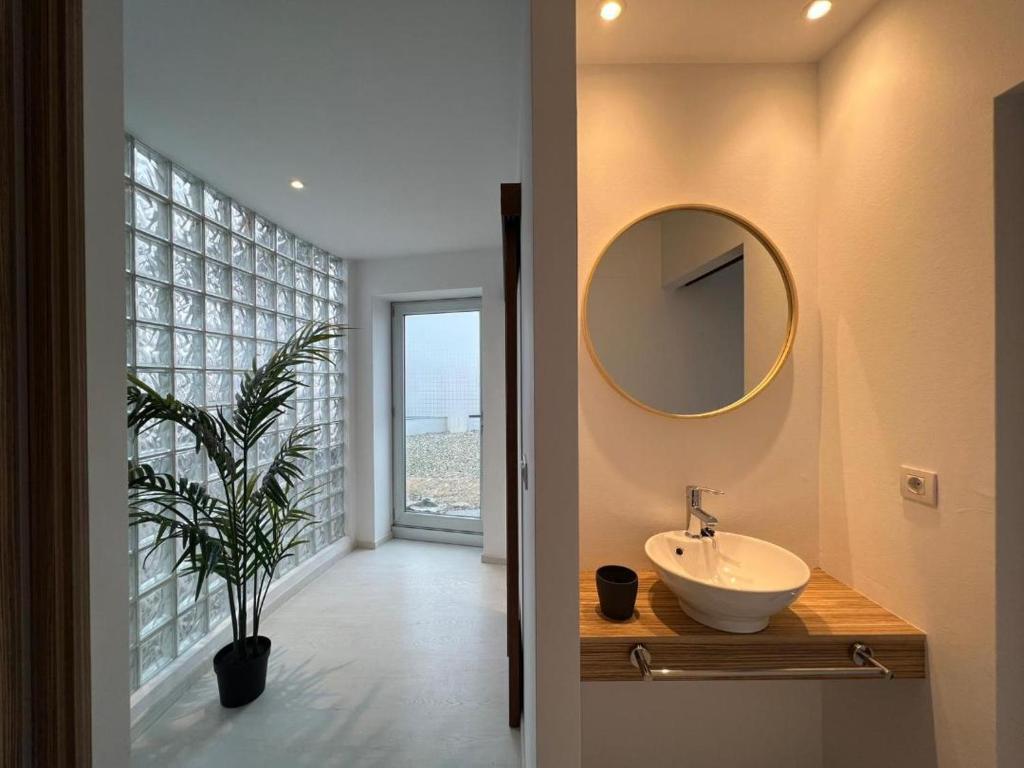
(750, 147)
(743, 138)
(907, 303)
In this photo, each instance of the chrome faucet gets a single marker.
(699, 524)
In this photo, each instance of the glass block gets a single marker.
(152, 302)
(265, 325)
(319, 411)
(336, 267)
(320, 310)
(285, 301)
(244, 352)
(155, 653)
(155, 566)
(334, 314)
(335, 291)
(320, 385)
(151, 214)
(319, 285)
(263, 232)
(151, 258)
(337, 528)
(186, 189)
(265, 264)
(218, 388)
(188, 349)
(244, 320)
(129, 203)
(128, 150)
(241, 286)
(188, 387)
(285, 272)
(216, 242)
(218, 607)
(184, 439)
(186, 586)
(155, 439)
(241, 254)
(284, 242)
(285, 327)
(162, 465)
(265, 294)
(241, 220)
(218, 316)
(152, 347)
(304, 413)
(319, 260)
(186, 229)
(303, 279)
(188, 270)
(218, 351)
(156, 608)
(188, 309)
(303, 252)
(216, 206)
(189, 464)
(158, 380)
(266, 448)
(151, 170)
(218, 278)
(191, 626)
(335, 410)
(334, 434)
(303, 305)
(264, 349)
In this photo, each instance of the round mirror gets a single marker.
(689, 312)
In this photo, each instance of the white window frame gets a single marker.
(444, 528)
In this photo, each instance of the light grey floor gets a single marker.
(394, 657)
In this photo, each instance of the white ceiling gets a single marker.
(399, 116)
(712, 31)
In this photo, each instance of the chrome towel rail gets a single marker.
(865, 666)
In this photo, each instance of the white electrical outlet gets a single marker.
(919, 485)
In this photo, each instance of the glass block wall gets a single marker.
(210, 286)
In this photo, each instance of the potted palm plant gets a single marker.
(246, 523)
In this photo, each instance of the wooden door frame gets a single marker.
(511, 214)
(44, 549)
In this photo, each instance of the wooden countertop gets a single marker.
(816, 631)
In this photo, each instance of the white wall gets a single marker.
(743, 138)
(105, 367)
(907, 297)
(551, 725)
(374, 285)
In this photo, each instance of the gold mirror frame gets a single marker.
(787, 279)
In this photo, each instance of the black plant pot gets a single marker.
(241, 680)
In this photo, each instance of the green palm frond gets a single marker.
(263, 516)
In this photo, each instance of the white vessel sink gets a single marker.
(729, 582)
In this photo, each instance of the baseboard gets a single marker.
(493, 559)
(156, 696)
(374, 544)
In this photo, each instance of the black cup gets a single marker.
(616, 589)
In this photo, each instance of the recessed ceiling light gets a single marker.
(817, 9)
(611, 10)
(296, 184)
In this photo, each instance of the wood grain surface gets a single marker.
(816, 631)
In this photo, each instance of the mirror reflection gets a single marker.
(687, 312)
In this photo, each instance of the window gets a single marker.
(211, 285)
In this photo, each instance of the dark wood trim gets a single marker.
(511, 211)
(44, 576)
